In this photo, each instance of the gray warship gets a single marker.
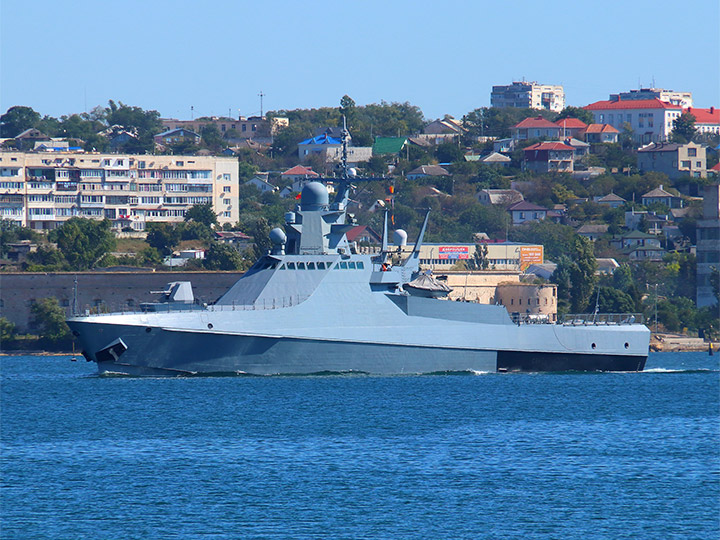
(314, 304)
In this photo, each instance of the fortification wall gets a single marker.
(106, 291)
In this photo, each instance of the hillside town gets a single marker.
(543, 207)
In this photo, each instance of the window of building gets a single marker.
(692, 152)
(227, 189)
(685, 164)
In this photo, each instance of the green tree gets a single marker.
(83, 242)
(576, 112)
(684, 129)
(7, 330)
(163, 237)
(202, 213)
(223, 257)
(575, 274)
(612, 300)
(17, 119)
(48, 318)
(212, 139)
(347, 108)
(448, 152)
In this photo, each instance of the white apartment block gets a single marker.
(651, 120)
(41, 190)
(529, 95)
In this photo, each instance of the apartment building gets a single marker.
(41, 190)
(252, 127)
(529, 95)
(651, 120)
(683, 99)
(674, 159)
(708, 240)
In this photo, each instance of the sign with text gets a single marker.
(453, 252)
(530, 255)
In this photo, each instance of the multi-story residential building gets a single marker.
(551, 156)
(708, 240)
(650, 119)
(683, 99)
(252, 127)
(706, 120)
(41, 190)
(674, 159)
(529, 95)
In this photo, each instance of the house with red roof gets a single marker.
(650, 119)
(571, 127)
(706, 120)
(549, 156)
(535, 128)
(299, 172)
(600, 133)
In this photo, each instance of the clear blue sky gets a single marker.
(443, 56)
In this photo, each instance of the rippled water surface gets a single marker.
(541, 456)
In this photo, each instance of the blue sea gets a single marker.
(519, 456)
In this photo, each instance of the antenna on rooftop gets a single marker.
(261, 102)
(192, 112)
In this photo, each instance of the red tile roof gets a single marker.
(537, 122)
(548, 146)
(600, 128)
(300, 170)
(715, 167)
(629, 104)
(571, 123)
(704, 116)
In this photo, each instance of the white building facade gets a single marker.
(42, 190)
(651, 120)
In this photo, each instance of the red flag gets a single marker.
(298, 196)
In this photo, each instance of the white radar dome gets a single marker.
(400, 238)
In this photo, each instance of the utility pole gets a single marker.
(656, 325)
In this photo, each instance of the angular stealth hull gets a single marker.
(323, 307)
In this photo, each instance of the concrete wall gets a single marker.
(117, 291)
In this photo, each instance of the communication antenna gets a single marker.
(261, 102)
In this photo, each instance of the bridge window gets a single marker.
(360, 265)
(311, 266)
(321, 266)
(343, 266)
(282, 267)
(301, 266)
(351, 265)
(291, 266)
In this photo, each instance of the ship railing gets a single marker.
(530, 318)
(601, 319)
(169, 307)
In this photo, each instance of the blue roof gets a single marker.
(322, 139)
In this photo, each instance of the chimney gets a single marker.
(712, 110)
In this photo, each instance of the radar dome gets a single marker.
(314, 196)
(277, 236)
(400, 238)
(352, 171)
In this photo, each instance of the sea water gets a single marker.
(537, 456)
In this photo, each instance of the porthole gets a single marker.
(627, 345)
(593, 345)
(148, 329)
(210, 325)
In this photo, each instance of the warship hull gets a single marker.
(397, 343)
